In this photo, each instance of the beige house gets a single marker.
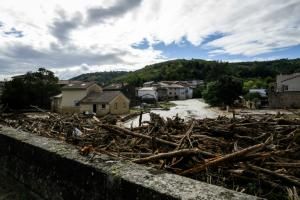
(89, 97)
(113, 102)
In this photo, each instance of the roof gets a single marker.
(261, 92)
(65, 82)
(149, 82)
(147, 88)
(292, 76)
(104, 97)
(58, 96)
(115, 86)
(169, 82)
(174, 86)
(78, 86)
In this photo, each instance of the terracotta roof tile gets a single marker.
(76, 86)
(104, 97)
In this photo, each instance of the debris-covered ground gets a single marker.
(258, 156)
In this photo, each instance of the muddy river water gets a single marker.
(191, 108)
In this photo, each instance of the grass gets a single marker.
(166, 105)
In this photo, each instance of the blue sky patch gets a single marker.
(186, 50)
(14, 32)
(213, 37)
(183, 50)
(142, 45)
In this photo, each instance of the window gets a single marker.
(170, 93)
(285, 87)
(116, 106)
(103, 106)
(76, 103)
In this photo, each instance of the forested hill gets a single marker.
(210, 70)
(199, 69)
(101, 78)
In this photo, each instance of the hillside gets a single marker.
(210, 70)
(198, 69)
(101, 78)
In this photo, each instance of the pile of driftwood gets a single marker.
(256, 156)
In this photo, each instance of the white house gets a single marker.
(288, 83)
(165, 90)
(189, 92)
(176, 91)
(148, 93)
(148, 84)
(286, 93)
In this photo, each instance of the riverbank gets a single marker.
(198, 109)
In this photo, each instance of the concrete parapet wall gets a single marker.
(54, 170)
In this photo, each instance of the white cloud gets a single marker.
(64, 35)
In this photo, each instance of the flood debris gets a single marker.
(258, 156)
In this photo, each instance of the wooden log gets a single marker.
(290, 179)
(256, 123)
(138, 154)
(182, 152)
(42, 110)
(264, 181)
(278, 164)
(220, 160)
(186, 135)
(128, 132)
(263, 155)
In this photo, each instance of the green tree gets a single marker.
(34, 88)
(197, 92)
(252, 96)
(210, 94)
(223, 92)
(257, 83)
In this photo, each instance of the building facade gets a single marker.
(89, 97)
(148, 94)
(73, 93)
(107, 102)
(286, 92)
(172, 90)
(128, 90)
(288, 83)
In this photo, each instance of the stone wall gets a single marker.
(284, 99)
(54, 170)
(89, 107)
(70, 110)
(119, 105)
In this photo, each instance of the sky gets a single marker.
(71, 37)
